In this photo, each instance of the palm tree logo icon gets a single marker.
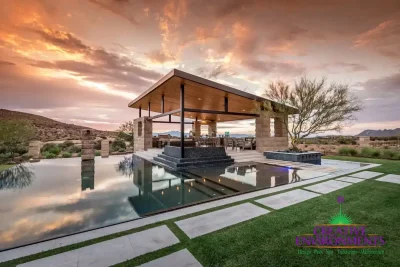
(340, 218)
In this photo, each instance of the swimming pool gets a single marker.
(59, 197)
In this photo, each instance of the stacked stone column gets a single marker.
(142, 134)
(34, 149)
(105, 148)
(266, 142)
(212, 129)
(196, 129)
(87, 139)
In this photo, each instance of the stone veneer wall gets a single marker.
(34, 149)
(87, 138)
(105, 148)
(212, 128)
(266, 142)
(142, 135)
(196, 128)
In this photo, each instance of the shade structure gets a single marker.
(204, 99)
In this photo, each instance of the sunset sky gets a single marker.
(83, 61)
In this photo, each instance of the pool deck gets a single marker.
(242, 156)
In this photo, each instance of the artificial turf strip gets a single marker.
(388, 166)
(5, 167)
(270, 240)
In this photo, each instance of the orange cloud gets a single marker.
(384, 39)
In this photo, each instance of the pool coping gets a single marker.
(42, 246)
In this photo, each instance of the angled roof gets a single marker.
(200, 93)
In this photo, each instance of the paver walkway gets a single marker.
(182, 258)
(216, 220)
(283, 200)
(111, 252)
(366, 174)
(390, 178)
(327, 187)
(350, 180)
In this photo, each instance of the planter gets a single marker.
(305, 157)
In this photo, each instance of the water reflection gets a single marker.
(87, 175)
(16, 177)
(161, 189)
(126, 166)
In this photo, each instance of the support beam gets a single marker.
(221, 112)
(182, 121)
(162, 104)
(165, 114)
(140, 112)
(171, 122)
(169, 118)
(149, 109)
(226, 104)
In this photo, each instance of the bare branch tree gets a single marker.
(320, 107)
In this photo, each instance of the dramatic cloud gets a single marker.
(268, 66)
(384, 38)
(63, 58)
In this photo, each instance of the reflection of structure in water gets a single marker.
(87, 175)
(159, 189)
(16, 177)
(249, 176)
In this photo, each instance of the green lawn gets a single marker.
(270, 240)
(388, 166)
(5, 167)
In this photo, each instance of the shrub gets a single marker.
(121, 150)
(366, 152)
(353, 152)
(5, 157)
(97, 145)
(344, 151)
(73, 149)
(66, 155)
(389, 154)
(66, 144)
(79, 154)
(376, 153)
(49, 155)
(118, 144)
(97, 153)
(51, 148)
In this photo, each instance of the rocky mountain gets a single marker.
(50, 130)
(380, 133)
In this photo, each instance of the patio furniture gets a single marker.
(229, 143)
(242, 144)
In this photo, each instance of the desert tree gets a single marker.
(125, 131)
(14, 134)
(321, 107)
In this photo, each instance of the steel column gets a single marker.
(182, 121)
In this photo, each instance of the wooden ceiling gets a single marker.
(199, 94)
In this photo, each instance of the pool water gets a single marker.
(58, 197)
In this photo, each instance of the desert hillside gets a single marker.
(50, 130)
(380, 133)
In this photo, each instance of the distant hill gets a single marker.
(380, 133)
(50, 130)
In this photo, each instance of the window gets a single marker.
(140, 126)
